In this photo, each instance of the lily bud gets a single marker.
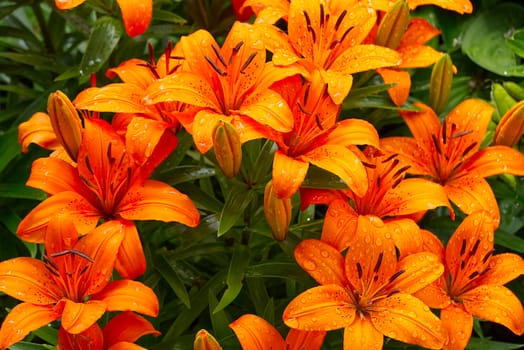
(66, 122)
(205, 341)
(511, 126)
(440, 83)
(393, 25)
(277, 211)
(228, 149)
(503, 100)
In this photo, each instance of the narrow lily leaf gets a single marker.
(165, 268)
(277, 270)
(14, 190)
(510, 241)
(30, 346)
(516, 42)
(235, 275)
(102, 42)
(486, 343)
(9, 146)
(320, 178)
(219, 320)
(236, 203)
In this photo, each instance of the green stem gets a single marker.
(43, 28)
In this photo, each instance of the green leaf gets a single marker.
(509, 241)
(169, 273)
(219, 320)
(168, 16)
(102, 42)
(286, 270)
(237, 201)
(235, 275)
(9, 146)
(485, 343)
(320, 178)
(30, 346)
(493, 52)
(33, 60)
(15, 190)
(516, 42)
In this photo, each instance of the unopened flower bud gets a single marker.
(66, 122)
(511, 126)
(393, 25)
(205, 341)
(277, 211)
(440, 83)
(228, 149)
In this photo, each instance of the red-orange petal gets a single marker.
(300, 340)
(340, 224)
(361, 334)
(460, 6)
(133, 71)
(323, 262)
(127, 327)
(91, 338)
(53, 175)
(496, 304)
(155, 200)
(495, 160)
(458, 323)
(400, 92)
(415, 56)
(503, 268)
(435, 294)
(422, 124)
(342, 162)
(29, 280)
(411, 152)
(288, 174)
(361, 58)
(268, 108)
(131, 261)
(406, 318)
(321, 308)
(350, 132)
(136, 14)
(117, 97)
(23, 319)
(127, 295)
(78, 317)
(68, 4)
(419, 32)
(37, 130)
(406, 234)
(255, 333)
(420, 269)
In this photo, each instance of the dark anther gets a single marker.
(72, 251)
(215, 67)
(396, 275)
(463, 247)
(473, 275)
(435, 142)
(248, 62)
(390, 157)
(151, 53)
(309, 26)
(88, 165)
(53, 271)
(462, 264)
(306, 94)
(346, 34)
(393, 291)
(219, 55)
(469, 148)
(340, 19)
(396, 183)
(369, 165)
(319, 123)
(488, 254)
(359, 270)
(462, 133)
(444, 132)
(303, 109)
(475, 247)
(322, 15)
(379, 262)
(50, 262)
(401, 171)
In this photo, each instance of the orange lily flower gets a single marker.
(110, 184)
(449, 154)
(368, 293)
(460, 6)
(119, 333)
(413, 54)
(255, 333)
(318, 139)
(71, 284)
(136, 14)
(472, 284)
(327, 36)
(389, 200)
(267, 11)
(229, 84)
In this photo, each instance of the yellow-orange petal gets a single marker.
(127, 295)
(422, 124)
(127, 327)
(321, 308)
(406, 318)
(155, 200)
(338, 85)
(53, 175)
(420, 269)
(23, 319)
(340, 161)
(117, 97)
(136, 14)
(460, 6)
(321, 261)
(495, 160)
(37, 130)
(205, 341)
(435, 295)
(406, 234)
(131, 261)
(77, 317)
(28, 280)
(418, 56)
(300, 340)
(503, 268)
(288, 174)
(340, 224)
(362, 58)
(68, 4)
(268, 108)
(203, 127)
(133, 71)
(195, 47)
(419, 32)
(361, 334)
(60, 235)
(458, 323)
(255, 333)
(400, 92)
(33, 225)
(496, 304)
(473, 193)
(353, 132)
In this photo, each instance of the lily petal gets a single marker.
(255, 333)
(400, 92)
(340, 224)
(406, 318)
(127, 327)
(503, 268)
(419, 32)
(78, 317)
(37, 130)
(342, 162)
(288, 174)
(299, 340)
(361, 334)
(53, 175)
(136, 14)
(68, 4)
(434, 295)
(29, 280)
(496, 304)
(410, 153)
(117, 97)
(406, 234)
(23, 319)
(338, 85)
(420, 269)
(269, 108)
(495, 160)
(326, 308)
(127, 295)
(155, 200)
(91, 338)
(459, 324)
(131, 261)
(203, 127)
(362, 58)
(415, 56)
(422, 124)
(350, 132)
(321, 261)
(133, 71)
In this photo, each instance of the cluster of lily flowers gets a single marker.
(378, 272)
